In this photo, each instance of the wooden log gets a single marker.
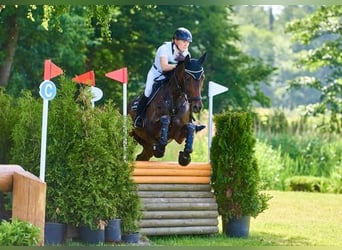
(179, 230)
(177, 200)
(172, 165)
(174, 194)
(29, 197)
(179, 222)
(6, 176)
(171, 179)
(179, 214)
(179, 206)
(170, 172)
(174, 187)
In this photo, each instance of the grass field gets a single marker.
(292, 219)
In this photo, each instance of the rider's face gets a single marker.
(182, 45)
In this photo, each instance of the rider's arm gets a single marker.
(165, 64)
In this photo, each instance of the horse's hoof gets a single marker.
(184, 158)
(158, 150)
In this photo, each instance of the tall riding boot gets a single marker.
(139, 120)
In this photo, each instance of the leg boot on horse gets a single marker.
(159, 149)
(184, 157)
(139, 118)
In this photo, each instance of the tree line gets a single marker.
(261, 57)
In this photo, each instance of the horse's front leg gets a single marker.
(159, 149)
(184, 157)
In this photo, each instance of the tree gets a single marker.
(35, 33)
(80, 38)
(323, 31)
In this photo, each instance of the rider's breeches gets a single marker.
(152, 75)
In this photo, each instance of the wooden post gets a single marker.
(6, 176)
(29, 195)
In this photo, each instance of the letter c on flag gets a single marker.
(47, 90)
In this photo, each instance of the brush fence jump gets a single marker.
(176, 200)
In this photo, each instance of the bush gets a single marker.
(270, 166)
(88, 178)
(19, 233)
(235, 175)
(8, 117)
(336, 181)
(307, 184)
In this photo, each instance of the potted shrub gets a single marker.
(62, 114)
(130, 212)
(26, 151)
(88, 173)
(235, 176)
(99, 167)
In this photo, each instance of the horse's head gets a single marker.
(191, 77)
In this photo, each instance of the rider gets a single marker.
(166, 59)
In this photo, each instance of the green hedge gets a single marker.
(307, 184)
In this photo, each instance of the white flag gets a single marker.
(215, 88)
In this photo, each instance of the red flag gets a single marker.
(87, 78)
(119, 75)
(51, 70)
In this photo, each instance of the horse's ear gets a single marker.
(187, 59)
(202, 58)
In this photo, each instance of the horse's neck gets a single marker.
(176, 92)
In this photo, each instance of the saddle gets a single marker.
(155, 89)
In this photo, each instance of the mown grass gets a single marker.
(292, 219)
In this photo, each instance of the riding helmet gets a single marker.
(182, 34)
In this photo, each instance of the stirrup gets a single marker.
(139, 122)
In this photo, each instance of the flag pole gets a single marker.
(214, 89)
(122, 76)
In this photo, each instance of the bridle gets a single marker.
(196, 75)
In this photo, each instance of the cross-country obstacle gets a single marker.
(29, 194)
(176, 200)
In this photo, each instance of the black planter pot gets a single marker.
(113, 231)
(54, 233)
(237, 227)
(90, 236)
(131, 237)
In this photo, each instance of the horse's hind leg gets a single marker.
(184, 157)
(146, 154)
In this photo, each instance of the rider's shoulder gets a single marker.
(165, 44)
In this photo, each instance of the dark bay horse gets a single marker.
(169, 115)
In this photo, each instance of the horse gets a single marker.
(169, 112)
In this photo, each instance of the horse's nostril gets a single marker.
(196, 108)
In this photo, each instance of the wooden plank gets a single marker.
(179, 230)
(179, 222)
(29, 197)
(174, 187)
(171, 165)
(179, 214)
(174, 194)
(179, 206)
(170, 172)
(171, 179)
(6, 176)
(177, 200)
